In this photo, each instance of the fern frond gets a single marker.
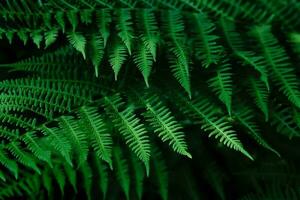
(11, 165)
(214, 125)
(130, 127)
(100, 139)
(165, 124)
(180, 66)
(207, 48)
(143, 60)
(282, 74)
(95, 48)
(148, 26)
(245, 117)
(59, 142)
(221, 85)
(259, 92)
(78, 140)
(78, 41)
(124, 28)
(32, 143)
(103, 19)
(51, 36)
(22, 156)
(117, 57)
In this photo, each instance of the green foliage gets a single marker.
(109, 99)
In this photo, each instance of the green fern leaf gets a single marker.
(221, 85)
(23, 157)
(214, 125)
(73, 19)
(282, 74)
(96, 51)
(259, 92)
(245, 117)
(164, 123)
(143, 60)
(117, 57)
(103, 19)
(37, 37)
(51, 36)
(32, 143)
(59, 142)
(100, 139)
(11, 165)
(78, 41)
(78, 140)
(130, 127)
(124, 27)
(180, 66)
(207, 48)
(148, 31)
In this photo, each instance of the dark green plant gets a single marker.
(149, 99)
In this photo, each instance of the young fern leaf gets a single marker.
(32, 143)
(221, 85)
(78, 41)
(22, 156)
(37, 37)
(73, 19)
(122, 171)
(165, 124)
(58, 141)
(214, 125)
(244, 115)
(207, 48)
(148, 29)
(95, 49)
(99, 136)
(59, 17)
(124, 27)
(72, 130)
(103, 19)
(282, 74)
(117, 57)
(130, 127)
(259, 93)
(51, 36)
(11, 165)
(143, 60)
(180, 66)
